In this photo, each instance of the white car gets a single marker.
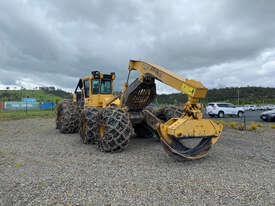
(220, 109)
(250, 107)
(270, 107)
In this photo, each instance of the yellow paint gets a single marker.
(101, 131)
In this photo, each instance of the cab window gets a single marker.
(95, 86)
(86, 87)
(106, 87)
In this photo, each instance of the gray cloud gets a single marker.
(56, 42)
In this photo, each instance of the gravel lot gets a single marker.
(39, 166)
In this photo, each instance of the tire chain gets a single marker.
(69, 121)
(90, 116)
(117, 130)
(169, 112)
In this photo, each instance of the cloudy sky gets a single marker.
(54, 42)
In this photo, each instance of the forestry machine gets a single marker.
(109, 121)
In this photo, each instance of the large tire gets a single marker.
(150, 109)
(116, 130)
(144, 131)
(88, 128)
(67, 117)
(169, 112)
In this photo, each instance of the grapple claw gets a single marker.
(176, 132)
(182, 152)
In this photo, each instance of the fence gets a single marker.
(21, 105)
(27, 105)
(47, 105)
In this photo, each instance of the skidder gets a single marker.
(109, 121)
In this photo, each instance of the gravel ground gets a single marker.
(39, 166)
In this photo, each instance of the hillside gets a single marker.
(40, 95)
(247, 95)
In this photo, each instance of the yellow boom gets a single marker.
(192, 88)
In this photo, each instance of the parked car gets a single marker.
(270, 107)
(250, 107)
(264, 107)
(260, 107)
(268, 116)
(220, 109)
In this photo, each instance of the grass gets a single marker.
(221, 122)
(253, 126)
(272, 126)
(18, 165)
(242, 126)
(42, 184)
(259, 124)
(13, 115)
(2, 153)
(232, 124)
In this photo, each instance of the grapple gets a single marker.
(176, 132)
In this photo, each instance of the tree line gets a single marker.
(240, 95)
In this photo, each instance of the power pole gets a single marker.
(238, 96)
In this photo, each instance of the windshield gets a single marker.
(95, 86)
(106, 87)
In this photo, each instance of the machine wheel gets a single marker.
(115, 130)
(156, 112)
(221, 114)
(240, 114)
(144, 131)
(150, 109)
(169, 112)
(89, 124)
(67, 117)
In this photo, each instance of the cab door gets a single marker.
(86, 83)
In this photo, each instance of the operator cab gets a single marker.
(102, 83)
(91, 90)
